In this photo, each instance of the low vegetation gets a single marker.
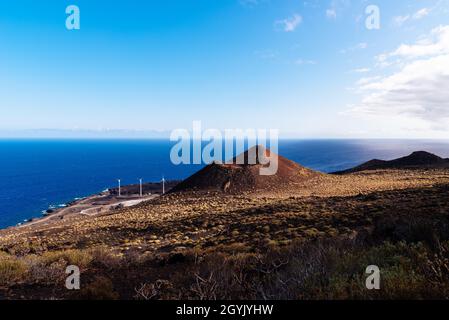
(212, 246)
(318, 270)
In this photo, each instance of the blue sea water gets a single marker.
(38, 174)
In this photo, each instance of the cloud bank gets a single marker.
(416, 93)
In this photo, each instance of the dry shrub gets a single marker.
(45, 272)
(153, 291)
(320, 270)
(101, 288)
(11, 269)
(80, 258)
(103, 257)
(49, 268)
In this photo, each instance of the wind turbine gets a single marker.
(140, 182)
(119, 188)
(163, 185)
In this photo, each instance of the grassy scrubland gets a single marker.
(413, 255)
(308, 241)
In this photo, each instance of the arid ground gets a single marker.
(304, 239)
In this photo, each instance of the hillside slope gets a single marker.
(246, 177)
(416, 160)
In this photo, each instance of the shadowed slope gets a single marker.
(417, 160)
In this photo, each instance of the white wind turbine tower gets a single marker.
(119, 188)
(140, 182)
(163, 185)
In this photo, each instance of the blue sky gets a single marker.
(309, 68)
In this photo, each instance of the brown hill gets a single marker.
(416, 160)
(237, 178)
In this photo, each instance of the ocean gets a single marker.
(39, 174)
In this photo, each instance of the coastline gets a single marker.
(99, 203)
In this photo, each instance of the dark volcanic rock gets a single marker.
(417, 160)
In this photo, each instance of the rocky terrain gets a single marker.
(297, 235)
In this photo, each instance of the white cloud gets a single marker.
(362, 45)
(437, 42)
(266, 54)
(337, 8)
(361, 70)
(415, 95)
(359, 46)
(424, 12)
(400, 20)
(331, 13)
(289, 24)
(305, 62)
(363, 81)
